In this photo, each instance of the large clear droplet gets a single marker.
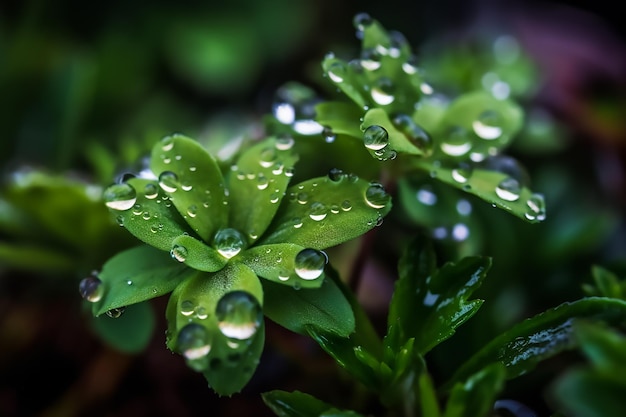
(462, 173)
(370, 59)
(151, 191)
(284, 143)
(337, 72)
(335, 175)
(509, 189)
(194, 342)
(167, 143)
(456, 142)
(120, 196)
(229, 242)
(488, 125)
(309, 263)
(536, 208)
(179, 253)
(318, 211)
(91, 289)
(239, 315)
(168, 181)
(375, 137)
(376, 196)
(382, 92)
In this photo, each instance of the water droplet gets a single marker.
(283, 275)
(328, 134)
(509, 189)
(151, 191)
(307, 127)
(418, 136)
(91, 289)
(370, 59)
(346, 205)
(179, 253)
(376, 196)
(228, 242)
(186, 187)
(302, 198)
(382, 92)
(194, 342)
(284, 143)
(137, 209)
(192, 210)
(167, 143)
(120, 220)
(168, 181)
(116, 313)
(334, 208)
(462, 173)
(201, 312)
(410, 66)
(318, 211)
(289, 172)
(262, 182)
(285, 113)
(536, 208)
(239, 315)
(309, 263)
(297, 223)
(146, 215)
(335, 174)
(120, 196)
(488, 125)
(457, 142)
(129, 282)
(336, 72)
(375, 137)
(362, 21)
(187, 307)
(426, 89)
(275, 197)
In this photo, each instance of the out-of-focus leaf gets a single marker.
(136, 275)
(49, 260)
(476, 396)
(607, 284)
(257, 185)
(299, 404)
(131, 332)
(538, 338)
(324, 212)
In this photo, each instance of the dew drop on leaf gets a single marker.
(309, 263)
(167, 143)
(179, 253)
(456, 142)
(337, 72)
(120, 196)
(376, 196)
(335, 174)
(328, 134)
(91, 289)
(346, 205)
(168, 181)
(151, 191)
(239, 315)
(370, 59)
(116, 313)
(462, 173)
(284, 143)
(318, 211)
(375, 137)
(509, 189)
(228, 242)
(488, 125)
(194, 342)
(382, 92)
(187, 307)
(536, 208)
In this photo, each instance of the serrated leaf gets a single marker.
(492, 187)
(299, 404)
(196, 254)
(129, 333)
(230, 350)
(475, 397)
(197, 188)
(258, 184)
(321, 213)
(152, 220)
(429, 304)
(538, 338)
(324, 307)
(136, 275)
(277, 263)
(398, 141)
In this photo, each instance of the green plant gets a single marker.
(227, 223)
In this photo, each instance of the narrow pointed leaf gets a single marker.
(136, 275)
(321, 213)
(277, 263)
(191, 177)
(153, 219)
(476, 396)
(215, 321)
(325, 307)
(538, 338)
(196, 254)
(257, 184)
(430, 304)
(299, 404)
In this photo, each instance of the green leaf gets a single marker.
(320, 213)
(131, 332)
(605, 348)
(429, 304)
(299, 404)
(49, 260)
(257, 184)
(136, 275)
(215, 321)
(399, 142)
(497, 188)
(342, 117)
(196, 254)
(277, 263)
(152, 220)
(191, 178)
(538, 338)
(325, 307)
(589, 393)
(476, 396)
(607, 284)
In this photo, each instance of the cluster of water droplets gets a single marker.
(294, 105)
(482, 140)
